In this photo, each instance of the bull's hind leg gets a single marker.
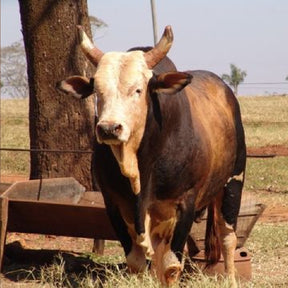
(230, 206)
(228, 242)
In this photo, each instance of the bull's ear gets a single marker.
(171, 82)
(78, 86)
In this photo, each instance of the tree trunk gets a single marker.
(57, 121)
(235, 89)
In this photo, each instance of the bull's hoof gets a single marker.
(233, 282)
(172, 275)
(136, 260)
(171, 268)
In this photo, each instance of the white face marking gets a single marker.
(121, 82)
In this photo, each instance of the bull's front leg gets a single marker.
(165, 264)
(136, 259)
(142, 225)
(123, 223)
(140, 235)
(169, 239)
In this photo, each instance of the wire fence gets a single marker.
(263, 88)
(281, 86)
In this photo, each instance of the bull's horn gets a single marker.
(155, 55)
(90, 51)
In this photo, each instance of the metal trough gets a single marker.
(57, 206)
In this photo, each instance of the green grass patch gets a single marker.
(267, 174)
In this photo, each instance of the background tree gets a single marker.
(57, 121)
(236, 77)
(286, 78)
(14, 71)
(14, 81)
(96, 25)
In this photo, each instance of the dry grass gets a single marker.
(14, 134)
(269, 245)
(265, 120)
(14, 123)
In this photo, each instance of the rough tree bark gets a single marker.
(57, 121)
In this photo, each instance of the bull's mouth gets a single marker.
(110, 142)
(108, 139)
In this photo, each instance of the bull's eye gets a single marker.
(138, 91)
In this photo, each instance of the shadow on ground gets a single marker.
(28, 265)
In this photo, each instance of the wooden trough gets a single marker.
(62, 207)
(250, 211)
(57, 206)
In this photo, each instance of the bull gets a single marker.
(169, 144)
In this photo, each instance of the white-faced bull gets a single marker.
(169, 144)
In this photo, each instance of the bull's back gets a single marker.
(213, 107)
(209, 96)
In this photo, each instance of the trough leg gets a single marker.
(3, 227)
(98, 246)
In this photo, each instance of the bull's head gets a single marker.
(121, 83)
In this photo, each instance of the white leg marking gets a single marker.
(136, 260)
(228, 245)
(165, 264)
(144, 240)
(239, 177)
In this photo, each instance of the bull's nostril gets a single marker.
(101, 130)
(109, 130)
(117, 129)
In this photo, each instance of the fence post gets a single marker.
(3, 226)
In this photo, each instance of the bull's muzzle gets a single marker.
(109, 132)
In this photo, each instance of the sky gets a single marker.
(208, 35)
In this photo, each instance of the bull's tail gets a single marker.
(212, 236)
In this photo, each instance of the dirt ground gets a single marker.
(27, 251)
